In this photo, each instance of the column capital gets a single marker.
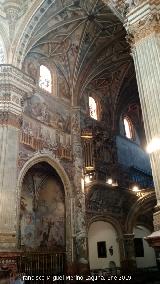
(142, 21)
(15, 86)
(128, 236)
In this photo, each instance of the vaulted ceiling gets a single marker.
(85, 39)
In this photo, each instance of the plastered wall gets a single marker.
(102, 231)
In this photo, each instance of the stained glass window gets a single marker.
(45, 80)
(93, 108)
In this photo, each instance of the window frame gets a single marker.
(130, 126)
(98, 108)
(51, 79)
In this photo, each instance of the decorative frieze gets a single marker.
(16, 77)
(7, 118)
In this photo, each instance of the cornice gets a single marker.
(13, 76)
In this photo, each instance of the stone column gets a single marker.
(129, 261)
(143, 28)
(14, 86)
(79, 218)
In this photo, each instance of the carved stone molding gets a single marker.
(142, 20)
(7, 118)
(15, 86)
(143, 28)
(10, 74)
(156, 220)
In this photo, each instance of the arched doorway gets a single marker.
(42, 209)
(145, 255)
(103, 245)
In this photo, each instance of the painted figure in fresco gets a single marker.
(42, 211)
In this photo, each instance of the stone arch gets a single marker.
(118, 230)
(68, 190)
(145, 203)
(108, 219)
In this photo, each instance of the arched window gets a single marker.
(45, 79)
(93, 108)
(128, 127)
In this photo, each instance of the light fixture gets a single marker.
(135, 188)
(109, 181)
(87, 179)
(153, 146)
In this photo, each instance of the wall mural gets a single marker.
(42, 211)
(47, 126)
(38, 137)
(52, 113)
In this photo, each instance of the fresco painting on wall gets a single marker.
(40, 137)
(42, 211)
(51, 113)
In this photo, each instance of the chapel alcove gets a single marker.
(103, 246)
(42, 210)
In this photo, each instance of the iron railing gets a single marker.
(39, 265)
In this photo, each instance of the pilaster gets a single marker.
(129, 262)
(80, 223)
(14, 87)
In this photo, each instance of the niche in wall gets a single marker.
(102, 236)
(42, 214)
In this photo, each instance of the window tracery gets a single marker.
(45, 79)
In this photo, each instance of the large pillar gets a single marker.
(143, 28)
(14, 86)
(129, 260)
(79, 218)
